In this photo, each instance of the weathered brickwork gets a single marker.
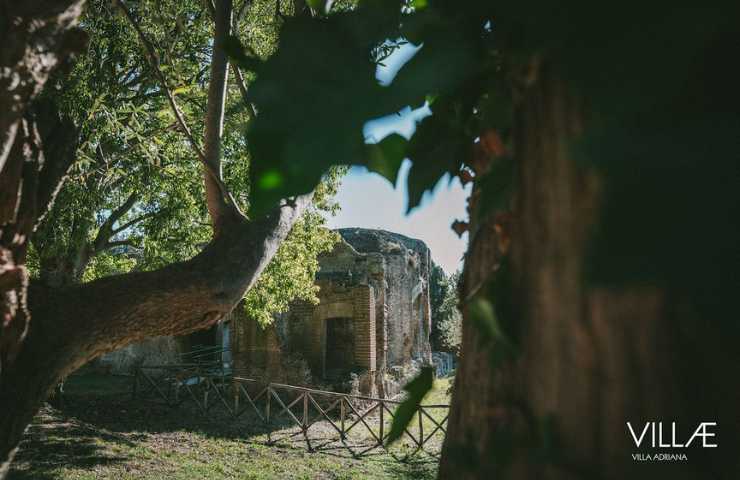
(364, 326)
(376, 281)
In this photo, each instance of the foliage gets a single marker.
(437, 290)
(449, 318)
(291, 273)
(446, 317)
(338, 92)
(416, 389)
(130, 146)
(437, 285)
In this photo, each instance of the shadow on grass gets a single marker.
(55, 440)
(98, 424)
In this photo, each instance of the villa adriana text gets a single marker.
(667, 435)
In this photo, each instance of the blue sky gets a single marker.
(368, 200)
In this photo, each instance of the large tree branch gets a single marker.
(72, 325)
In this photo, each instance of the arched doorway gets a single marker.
(339, 355)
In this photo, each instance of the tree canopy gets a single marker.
(132, 200)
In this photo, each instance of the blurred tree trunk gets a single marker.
(589, 359)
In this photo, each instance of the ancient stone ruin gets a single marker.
(368, 334)
(370, 330)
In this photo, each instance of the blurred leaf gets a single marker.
(417, 389)
(459, 227)
(241, 55)
(438, 147)
(319, 89)
(386, 156)
(418, 4)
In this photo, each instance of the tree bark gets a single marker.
(72, 325)
(37, 36)
(589, 358)
(76, 323)
(214, 125)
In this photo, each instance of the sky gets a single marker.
(368, 200)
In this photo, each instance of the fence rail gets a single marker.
(325, 420)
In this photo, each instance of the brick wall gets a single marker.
(364, 326)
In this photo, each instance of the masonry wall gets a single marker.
(380, 281)
(364, 327)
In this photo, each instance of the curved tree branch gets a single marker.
(72, 325)
(105, 232)
(136, 220)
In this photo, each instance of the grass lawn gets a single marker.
(100, 433)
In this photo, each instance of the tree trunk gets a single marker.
(37, 37)
(72, 325)
(217, 88)
(589, 359)
(76, 323)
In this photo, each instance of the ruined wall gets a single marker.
(373, 298)
(406, 265)
(152, 351)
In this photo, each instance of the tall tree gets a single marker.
(120, 209)
(65, 326)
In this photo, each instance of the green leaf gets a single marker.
(318, 5)
(314, 120)
(438, 147)
(419, 4)
(386, 156)
(417, 389)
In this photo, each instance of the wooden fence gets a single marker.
(324, 420)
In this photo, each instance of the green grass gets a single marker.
(99, 433)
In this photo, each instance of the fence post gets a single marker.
(305, 411)
(341, 415)
(135, 389)
(304, 427)
(267, 414)
(382, 407)
(421, 428)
